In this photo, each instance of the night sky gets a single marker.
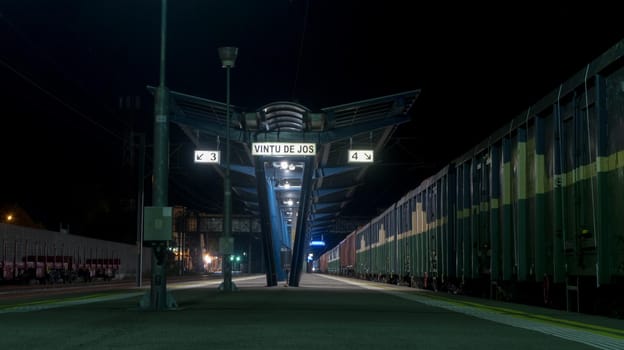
(64, 65)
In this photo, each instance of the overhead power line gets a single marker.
(59, 100)
(301, 43)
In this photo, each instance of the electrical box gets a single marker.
(226, 245)
(157, 224)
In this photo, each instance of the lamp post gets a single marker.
(226, 243)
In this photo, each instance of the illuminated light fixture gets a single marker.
(317, 243)
(228, 56)
(289, 202)
(291, 167)
(284, 165)
(286, 184)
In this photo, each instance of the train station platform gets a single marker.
(324, 312)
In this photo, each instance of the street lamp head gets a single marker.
(227, 55)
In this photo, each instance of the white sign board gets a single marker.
(283, 149)
(361, 156)
(207, 157)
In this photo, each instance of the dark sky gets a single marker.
(65, 64)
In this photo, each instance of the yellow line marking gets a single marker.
(611, 332)
(53, 301)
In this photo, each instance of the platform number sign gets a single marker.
(361, 156)
(207, 156)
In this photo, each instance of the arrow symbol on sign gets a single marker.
(368, 156)
(199, 156)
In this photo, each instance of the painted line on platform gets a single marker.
(616, 333)
(597, 336)
(72, 301)
(46, 304)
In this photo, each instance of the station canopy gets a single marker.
(278, 139)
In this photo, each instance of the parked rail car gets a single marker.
(426, 243)
(322, 263)
(412, 242)
(333, 260)
(542, 197)
(48, 268)
(362, 252)
(32, 255)
(346, 251)
(375, 258)
(532, 214)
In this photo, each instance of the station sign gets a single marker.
(283, 149)
(207, 157)
(361, 156)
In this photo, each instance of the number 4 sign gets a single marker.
(361, 156)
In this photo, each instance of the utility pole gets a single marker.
(158, 218)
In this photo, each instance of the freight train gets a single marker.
(40, 256)
(533, 214)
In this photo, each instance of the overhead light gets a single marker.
(291, 166)
(228, 56)
(284, 165)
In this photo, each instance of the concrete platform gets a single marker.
(325, 312)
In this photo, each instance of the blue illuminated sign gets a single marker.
(317, 243)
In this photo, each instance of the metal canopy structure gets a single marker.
(297, 195)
